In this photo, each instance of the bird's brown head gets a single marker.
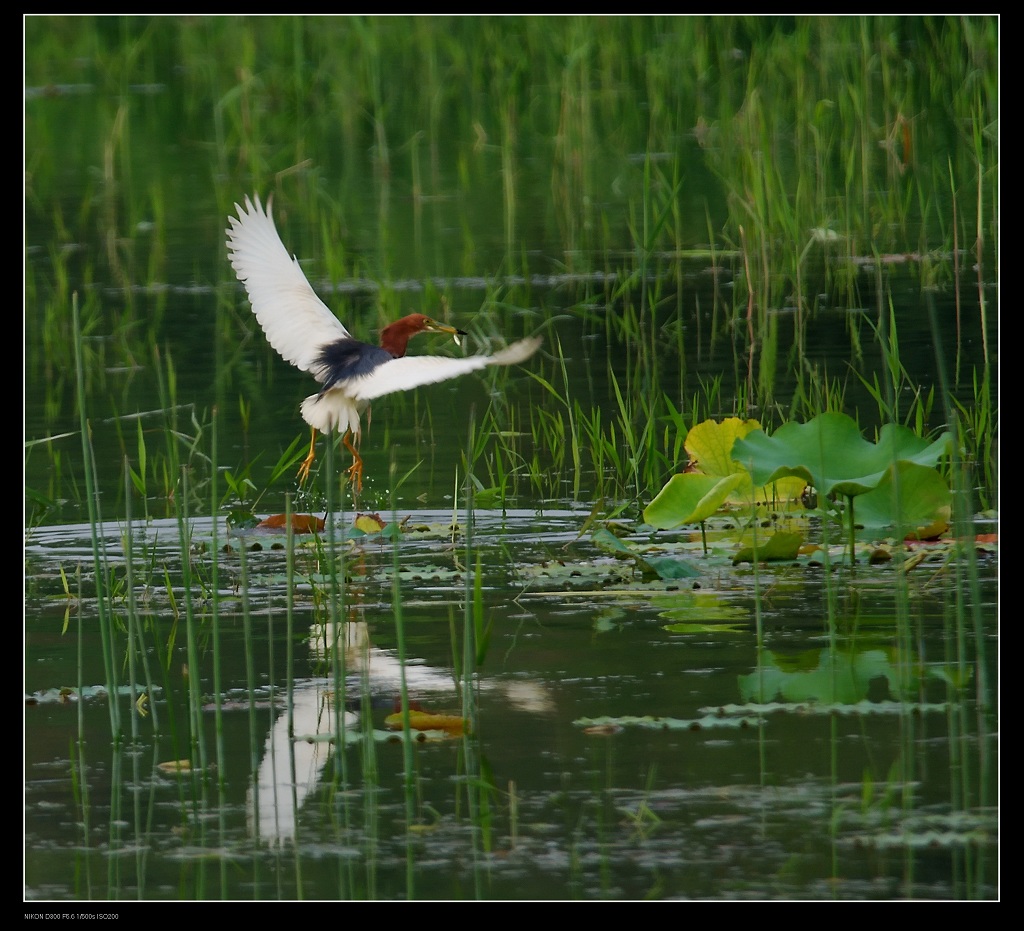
(395, 336)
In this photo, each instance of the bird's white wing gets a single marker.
(414, 371)
(296, 321)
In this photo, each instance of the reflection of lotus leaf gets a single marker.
(779, 547)
(835, 676)
(708, 610)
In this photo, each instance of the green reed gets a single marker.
(852, 106)
(92, 505)
(475, 637)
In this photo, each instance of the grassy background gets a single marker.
(697, 191)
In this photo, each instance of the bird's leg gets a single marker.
(303, 473)
(355, 472)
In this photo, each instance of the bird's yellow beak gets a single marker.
(432, 326)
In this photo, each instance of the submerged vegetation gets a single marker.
(761, 252)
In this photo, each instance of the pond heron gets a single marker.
(305, 333)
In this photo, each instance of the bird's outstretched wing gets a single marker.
(413, 371)
(297, 323)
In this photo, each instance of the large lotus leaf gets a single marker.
(689, 498)
(709, 445)
(830, 453)
(912, 498)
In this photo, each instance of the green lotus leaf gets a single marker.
(689, 498)
(709, 446)
(912, 498)
(607, 540)
(831, 453)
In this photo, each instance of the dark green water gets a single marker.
(793, 803)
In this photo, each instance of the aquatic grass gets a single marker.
(815, 393)
(503, 464)
(336, 626)
(977, 423)
(143, 704)
(195, 741)
(968, 612)
(889, 393)
(220, 773)
(41, 504)
(604, 452)
(591, 86)
(409, 769)
(92, 506)
(289, 687)
(475, 637)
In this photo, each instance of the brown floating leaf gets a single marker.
(369, 523)
(451, 724)
(175, 766)
(603, 730)
(301, 523)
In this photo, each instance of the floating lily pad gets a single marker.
(895, 708)
(652, 722)
(369, 523)
(175, 766)
(662, 567)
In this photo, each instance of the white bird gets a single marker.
(307, 334)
